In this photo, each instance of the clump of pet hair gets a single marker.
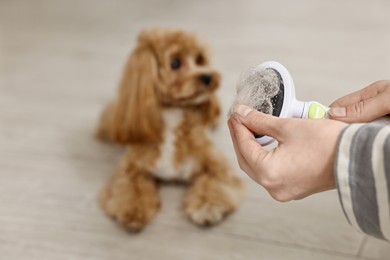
(255, 88)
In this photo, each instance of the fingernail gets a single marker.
(243, 110)
(338, 112)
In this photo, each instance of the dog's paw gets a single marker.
(210, 200)
(131, 212)
(207, 213)
(134, 219)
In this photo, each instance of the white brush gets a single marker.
(269, 88)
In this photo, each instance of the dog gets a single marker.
(164, 108)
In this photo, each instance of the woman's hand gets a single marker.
(364, 105)
(301, 165)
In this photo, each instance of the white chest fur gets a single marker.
(165, 166)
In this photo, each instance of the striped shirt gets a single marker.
(362, 172)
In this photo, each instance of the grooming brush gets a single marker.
(269, 88)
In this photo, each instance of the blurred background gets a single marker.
(60, 62)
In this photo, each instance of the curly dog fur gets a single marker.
(165, 105)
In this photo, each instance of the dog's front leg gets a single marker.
(211, 197)
(131, 198)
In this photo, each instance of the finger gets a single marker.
(355, 97)
(365, 111)
(258, 122)
(250, 150)
(241, 160)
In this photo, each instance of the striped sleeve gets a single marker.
(362, 172)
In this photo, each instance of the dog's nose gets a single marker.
(206, 79)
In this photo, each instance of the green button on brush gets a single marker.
(316, 111)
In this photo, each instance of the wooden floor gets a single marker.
(60, 63)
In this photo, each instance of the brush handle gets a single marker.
(315, 110)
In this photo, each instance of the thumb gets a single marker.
(362, 111)
(258, 122)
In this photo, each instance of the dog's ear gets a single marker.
(136, 117)
(211, 111)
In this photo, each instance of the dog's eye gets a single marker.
(200, 59)
(176, 64)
